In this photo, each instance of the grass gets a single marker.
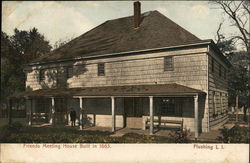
(17, 133)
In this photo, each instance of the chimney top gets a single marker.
(137, 14)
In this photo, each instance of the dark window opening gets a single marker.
(219, 70)
(101, 69)
(168, 63)
(69, 72)
(171, 107)
(42, 75)
(225, 74)
(212, 65)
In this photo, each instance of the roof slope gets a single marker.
(129, 90)
(119, 35)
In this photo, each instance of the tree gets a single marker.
(17, 50)
(30, 44)
(238, 12)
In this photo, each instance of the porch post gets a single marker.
(10, 111)
(196, 117)
(31, 112)
(113, 112)
(81, 114)
(151, 112)
(52, 117)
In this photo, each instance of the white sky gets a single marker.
(64, 19)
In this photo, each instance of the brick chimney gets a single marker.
(137, 14)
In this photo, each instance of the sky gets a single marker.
(62, 20)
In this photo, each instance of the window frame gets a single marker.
(166, 63)
(101, 69)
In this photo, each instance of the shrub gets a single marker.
(180, 136)
(236, 134)
(16, 127)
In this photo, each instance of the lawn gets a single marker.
(25, 134)
(17, 133)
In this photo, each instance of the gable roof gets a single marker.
(119, 35)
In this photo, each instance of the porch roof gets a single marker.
(129, 90)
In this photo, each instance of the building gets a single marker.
(130, 72)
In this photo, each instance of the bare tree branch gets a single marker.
(218, 32)
(237, 12)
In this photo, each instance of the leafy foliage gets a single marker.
(16, 51)
(236, 134)
(180, 136)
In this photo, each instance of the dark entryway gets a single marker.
(61, 116)
(133, 111)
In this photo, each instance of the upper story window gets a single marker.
(42, 75)
(101, 69)
(212, 65)
(225, 74)
(69, 72)
(220, 70)
(168, 63)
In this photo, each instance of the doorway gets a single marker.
(133, 111)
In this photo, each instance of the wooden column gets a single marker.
(52, 117)
(10, 111)
(81, 113)
(113, 112)
(196, 116)
(31, 112)
(151, 113)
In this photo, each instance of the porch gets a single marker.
(118, 106)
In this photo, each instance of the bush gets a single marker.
(236, 134)
(16, 127)
(180, 136)
(7, 130)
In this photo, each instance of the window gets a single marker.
(168, 63)
(221, 104)
(168, 107)
(219, 70)
(69, 72)
(42, 75)
(212, 65)
(225, 74)
(101, 69)
(214, 103)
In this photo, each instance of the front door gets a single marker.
(133, 108)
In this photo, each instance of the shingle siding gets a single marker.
(217, 85)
